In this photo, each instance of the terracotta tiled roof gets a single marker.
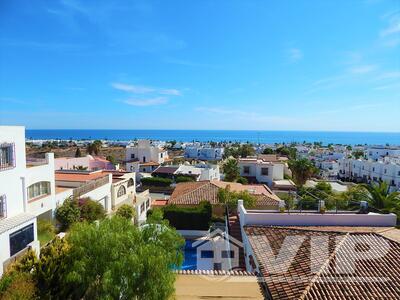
(191, 193)
(150, 163)
(165, 170)
(372, 278)
(77, 176)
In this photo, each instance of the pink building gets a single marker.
(88, 162)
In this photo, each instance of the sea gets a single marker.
(253, 136)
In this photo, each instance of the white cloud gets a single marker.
(295, 54)
(138, 89)
(135, 89)
(363, 69)
(147, 102)
(172, 92)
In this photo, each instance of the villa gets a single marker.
(199, 172)
(192, 193)
(27, 191)
(268, 169)
(144, 157)
(203, 152)
(328, 256)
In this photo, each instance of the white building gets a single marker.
(199, 172)
(361, 170)
(144, 157)
(263, 169)
(377, 152)
(27, 190)
(204, 152)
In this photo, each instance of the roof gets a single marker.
(191, 287)
(12, 222)
(165, 170)
(159, 202)
(192, 193)
(370, 279)
(150, 163)
(78, 176)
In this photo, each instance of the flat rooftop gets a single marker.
(190, 287)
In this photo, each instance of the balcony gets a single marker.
(90, 186)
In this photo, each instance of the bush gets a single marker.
(91, 210)
(46, 231)
(197, 218)
(126, 211)
(18, 285)
(156, 181)
(242, 180)
(68, 213)
(183, 178)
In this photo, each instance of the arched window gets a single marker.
(121, 191)
(130, 182)
(39, 189)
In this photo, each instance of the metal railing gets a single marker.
(90, 186)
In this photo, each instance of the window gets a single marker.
(20, 239)
(398, 173)
(3, 207)
(132, 156)
(7, 160)
(373, 169)
(264, 171)
(246, 170)
(144, 159)
(385, 171)
(207, 254)
(161, 155)
(142, 208)
(130, 182)
(121, 191)
(148, 203)
(38, 189)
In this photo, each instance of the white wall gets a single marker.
(11, 181)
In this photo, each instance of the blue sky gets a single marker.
(264, 65)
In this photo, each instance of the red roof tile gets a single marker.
(373, 278)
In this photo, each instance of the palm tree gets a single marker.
(302, 170)
(380, 197)
(231, 169)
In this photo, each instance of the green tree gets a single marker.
(78, 152)
(302, 170)
(126, 211)
(242, 180)
(231, 169)
(68, 213)
(268, 151)
(380, 197)
(246, 150)
(91, 210)
(230, 198)
(94, 148)
(358, 154)
(111, 159)
(128, 263)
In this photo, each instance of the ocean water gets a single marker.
(265, 137)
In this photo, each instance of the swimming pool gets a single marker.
(190, 259)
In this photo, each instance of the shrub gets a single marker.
(46, 231)
(91, 210)
(183, 178)
(242, 180)
(19, 286)
(126, 211)
(68, 213)
(156, 181)
(196, 218)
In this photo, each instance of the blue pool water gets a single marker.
(190, 260)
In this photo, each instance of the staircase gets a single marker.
(235, 232)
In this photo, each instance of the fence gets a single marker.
(90, 186)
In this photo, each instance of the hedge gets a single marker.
(156, 181)
(188, 218)
(183, 178)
